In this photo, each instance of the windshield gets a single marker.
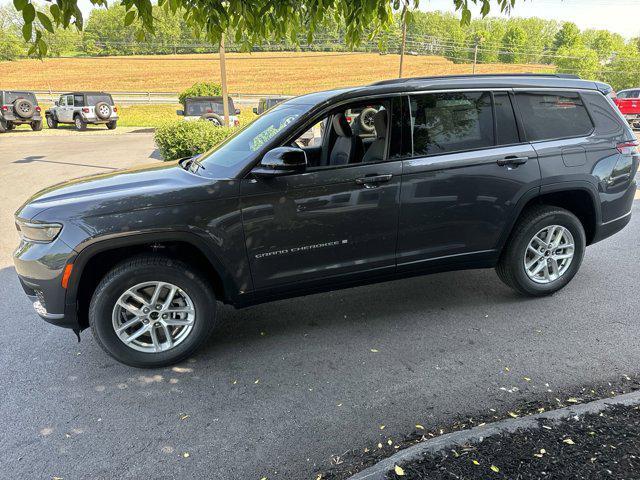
(227, 159)
(201, 107)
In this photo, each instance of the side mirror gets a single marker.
(180, 112)
(281, 161)
(255, 110)
(237, 110)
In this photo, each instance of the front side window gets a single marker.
(552, 115)
(63, 101)
(451, 122)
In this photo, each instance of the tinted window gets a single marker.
(451, 122)
(92, 99)
(549, 115)
(606, 118)
(506, 128)
(78, 100)
(10, 97)
(70, 100)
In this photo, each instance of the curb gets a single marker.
(478, 434)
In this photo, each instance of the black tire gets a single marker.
(365, 119)
(10, 126)
(511, 269)
(52, 122)
(217, 120)
(3, 126)
(79, 123)
(149, 268)
(36, 125)
(23, 108)
(112, 125)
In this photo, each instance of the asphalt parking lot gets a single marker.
(284, 387)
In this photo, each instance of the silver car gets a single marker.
(83, 108)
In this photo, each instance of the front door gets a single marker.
(468, 170)
(339, 217)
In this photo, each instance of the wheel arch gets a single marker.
(580, 198)
(96, 259)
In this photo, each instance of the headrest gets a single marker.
(341, 125)
(380, 122)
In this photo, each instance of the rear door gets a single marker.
(467, 169)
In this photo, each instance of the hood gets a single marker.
(123, 190)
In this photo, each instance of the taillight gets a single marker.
(115, 109)
(236, 123)
(37, 109)
(5, 108)
(629, 148)
(85, 110)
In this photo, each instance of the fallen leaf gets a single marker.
(419, 427)
(185, 454)
(511, 414)
(399, 471)
(382, 427)
(572, 400)
(256, 382)
(526, 379)
(379, 445)
(568, 441)
(475, 462)
(184, 416)
(373, 350)
(389, 442)
(543, 451)
(494, 468)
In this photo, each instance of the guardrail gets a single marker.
(155, 98)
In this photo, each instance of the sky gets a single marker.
(620, 16)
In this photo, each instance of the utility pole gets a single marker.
(475, 57)
(223, 76)
(404, 38)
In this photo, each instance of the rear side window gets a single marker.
(604, 113)
(451, 122)
(551, 115)
(78, 100)
(92, 99)
(506, 127)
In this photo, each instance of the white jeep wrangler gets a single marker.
(83, 108)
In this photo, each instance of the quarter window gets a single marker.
(506, 127)
(549, 115)
(451, 122)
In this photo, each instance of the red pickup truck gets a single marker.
(628, 101)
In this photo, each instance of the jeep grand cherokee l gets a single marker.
(519, 173)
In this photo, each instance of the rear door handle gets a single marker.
(373, 180)
(512, 160)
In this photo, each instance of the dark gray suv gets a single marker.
(19, 108)
(516, 172)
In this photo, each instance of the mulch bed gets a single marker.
(363, 456)
(594, 446)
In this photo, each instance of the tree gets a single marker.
(567, 36)
(514, 45)
(579, 60)
(200, 89)
(250, 22)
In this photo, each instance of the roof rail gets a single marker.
(483, 75)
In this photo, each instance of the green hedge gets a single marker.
(181, 139)
(200, 89)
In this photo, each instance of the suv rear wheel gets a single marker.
(544, 252)
(112, 125)
(3, 125)
(11, 126)
(36, 125)
(79, 123)
(152, 311)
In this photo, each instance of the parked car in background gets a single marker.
(628, 101)
(514, 172)
(210, 109)
(265, 104)
(83, 108)
(18, 108)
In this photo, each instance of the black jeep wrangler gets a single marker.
(514, 172)
(17, 108)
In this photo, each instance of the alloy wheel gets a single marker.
(153, 317)
(549, 254)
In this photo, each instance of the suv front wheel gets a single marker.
(152, 311)
(544, 252)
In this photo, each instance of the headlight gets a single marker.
(38, 232)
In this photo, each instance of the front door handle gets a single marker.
(373, 180)
(512, 161)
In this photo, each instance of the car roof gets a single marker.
(86, 93)
(213, 98)
(417, 84)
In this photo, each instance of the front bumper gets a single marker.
(40, 268)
